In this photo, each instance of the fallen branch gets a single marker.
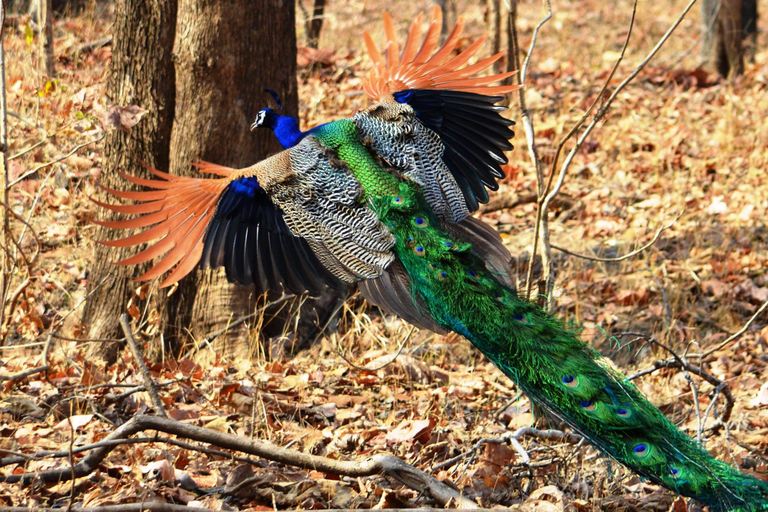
(388, 465)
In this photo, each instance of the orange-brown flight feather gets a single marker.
(178, 209)
(430, 67)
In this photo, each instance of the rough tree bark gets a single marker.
(46, 37)
(141, 73)
(226, 54)
(749, 27)
(722, 45)
(315, 24)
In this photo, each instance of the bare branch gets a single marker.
(392, 359)
(618, 258)
(47, 164)
(546, 197)
(513, 438)
(737, 334)
(680, 362)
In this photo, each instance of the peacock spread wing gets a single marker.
(294, 221)
(449, 99)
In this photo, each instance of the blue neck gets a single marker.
(286, 129)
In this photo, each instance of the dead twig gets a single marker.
(392, 360)
(548, 193)
(507, 201)
(513, 438)
(208, 338)
(125, 323)
(152, 506)
(525, 114)
(682, 363)
(737, 334)
(24, 374)
(618, 258)
(48, 164)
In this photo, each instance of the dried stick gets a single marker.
(737, 334)
(125, 323)
(159, 506)
(212, 336)
(24, 374)
(682, 363)
(513, 438)
(151, 506)
(382, 366)
(5, 227)
(525, 114)
(47, 164)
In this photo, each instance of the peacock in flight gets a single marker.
(384, 199)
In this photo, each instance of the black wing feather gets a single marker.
(473, 131)
(248, 236)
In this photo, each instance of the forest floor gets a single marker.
(679, 147)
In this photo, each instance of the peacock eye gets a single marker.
(640, 449)
(588, 405)
(570, 381)
(519, 317)
(419, 250)
(420, 222)
(397, 199)
(448, 244)
(442, 274)
(623, 413)
(674, 472)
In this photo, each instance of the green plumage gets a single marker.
(543, 357)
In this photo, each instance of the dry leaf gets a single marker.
(411, 430)
(121, 118)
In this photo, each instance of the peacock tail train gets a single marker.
(384, 199)
(547, 360)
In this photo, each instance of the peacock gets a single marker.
(384, 199)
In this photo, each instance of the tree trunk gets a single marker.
(46, 37)
(315, 24)
(226, 53)
(749, 28)
(723, 36)
(144, 78)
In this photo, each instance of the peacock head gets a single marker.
(267, 117)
